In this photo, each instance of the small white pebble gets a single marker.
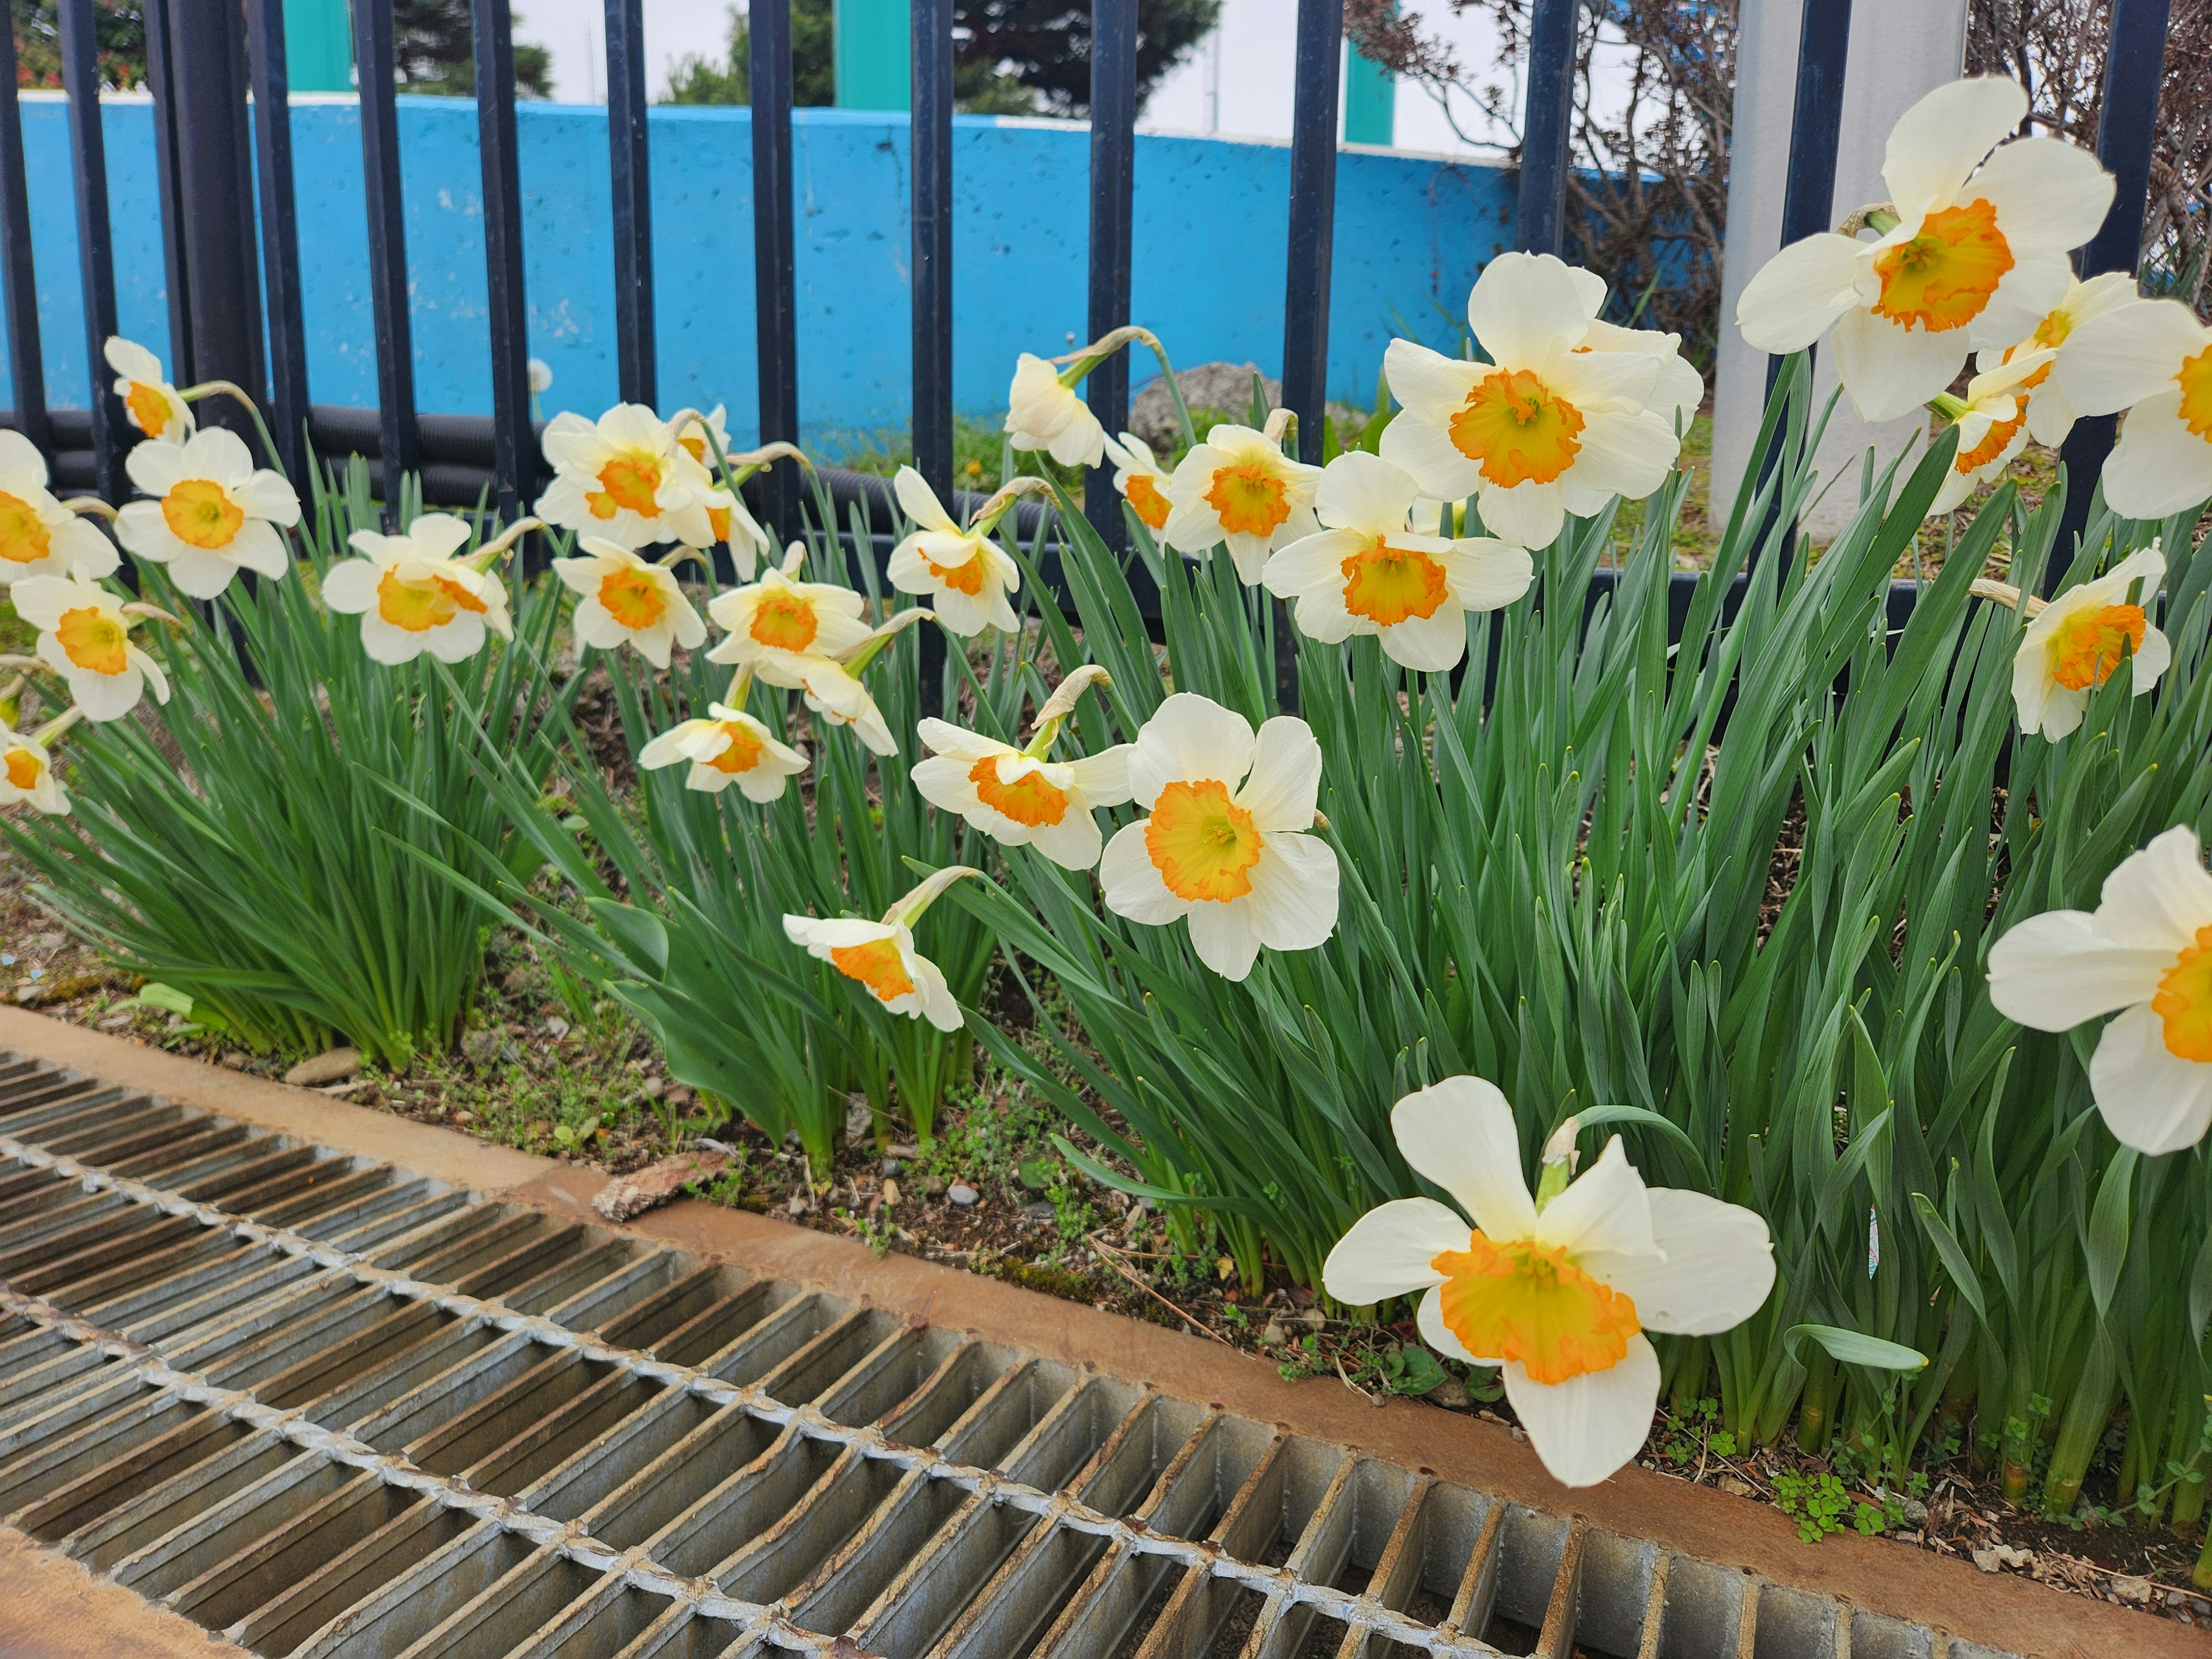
(963, 1194)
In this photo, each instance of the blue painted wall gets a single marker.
(1210, 213)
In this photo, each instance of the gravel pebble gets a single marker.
(963, 1194)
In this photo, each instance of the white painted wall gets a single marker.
(574, 31)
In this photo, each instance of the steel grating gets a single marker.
(323, 1406)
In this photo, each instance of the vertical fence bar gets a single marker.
(280, 234)
(1539, 221)
(1313, 230)
(2127, 132)
(513, 452)
(630, 162)
(95, 245)
(933, 243)
(1113, 191)
(387, 250)
(161, 77)
(775, 311)
(214, 157)
(27, 365)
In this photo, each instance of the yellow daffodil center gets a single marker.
(784, 622)
(630, 480)
(1516, 1299)
(200, 514)
(417, 609)
(694, 445)
(1993, 441)
(148, 409)
(1248, 499)
(23, 768)
(1145, 495)
(741, 754)
(93, 640)
(2088, 645)
(958, 578)
(24, 538)
(876, 964)
(2195, 378)
(1518, 428)
(1203, 844)
(1027, 800)
(632, 598)
(2183, 1001)
(1387, 584)
(1944, 275)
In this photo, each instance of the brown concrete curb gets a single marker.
(2001, 1611)
(51, 1608)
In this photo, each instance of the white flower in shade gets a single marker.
(1976, 256)
(39, 536)
(2050, 413)
(1557, 1290)
(1543, 428)
(2153, 359)
(412, 595)
(147, 397)
(778, 618)
(626, 479)
(2145, 953)
(85, 635)
(540, 374)
(1992, 426)
(1141, 480)
(838, 695)
(1224, 844)
(626, 598)
(1367, 573)
(1021, 799)
(966, 574)
(729, 747)
(727, 515)
(2078, 642)
(1237, 488)
(881, 957)
(1044, 413)
(214, 511)
(26, 773)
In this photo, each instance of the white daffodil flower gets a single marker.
(214, 511)
(1973, 254)
(1237, 488)
(1043, 412)
(2153, 359)
(1224, 842)
(881, 956)
(2050, 413)
(2078, 642)
(2145, 953)
(39, 536)
(837, 695)
(729, 747)
(1543, 428)
(1557, 1290)
(627, 479)
(727, 515)
(627, 598)
(966, 575)
(147, 397)
(26, 769)
(1141, 480)
(84, 633)
(1992, 422)
(773, 622)
(1021, 799)
(1367, 573)
(412, 595)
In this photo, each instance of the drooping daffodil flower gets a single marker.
(881, 957)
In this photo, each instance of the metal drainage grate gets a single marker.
(322, 1407)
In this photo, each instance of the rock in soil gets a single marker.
(332, 1066)
(1450, 1394)
(633, 1194)
(963, 1194)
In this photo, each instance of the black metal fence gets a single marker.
(211, 145)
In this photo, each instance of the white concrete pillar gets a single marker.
(1900, 50)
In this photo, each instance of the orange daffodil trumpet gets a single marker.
(27, 769)
(1367, 573)
(1556, 1290)
(1970, 251)
(1043, 412)
(1020, 798)
(730, 746)
(84, 635)
(1555, 422)
(2145, 954)
(413, 594)
(2153, 359)
(2079, 641)
(1141, 480)
(1225, 843)
(965, 575)
(880, 956)
(149, 402)
(1239, 489)
(774, 624)
(39, 536)
(629, 480)
(628, 600)
(214, 512)
(1992, 422)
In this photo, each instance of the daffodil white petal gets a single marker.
(1588, 1426)
(1424, 449)
(1890, 369)
(2051, 196)
(1104, 778)
(2128, 354)
(1941, 139)
(1460, 1134)
(1284, 785)
(1794, 298)
(1131, 884)
(2158, 898)
(1603, 1209)
(1293, 905)
(2053, 971)
(2159, 467)
(1523, 302)
(1222, 935)
(2150, 1098)
(1531, 514)
(1388, 1250)
(1713, 1269)
(1190, 737)
(1627, 455)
